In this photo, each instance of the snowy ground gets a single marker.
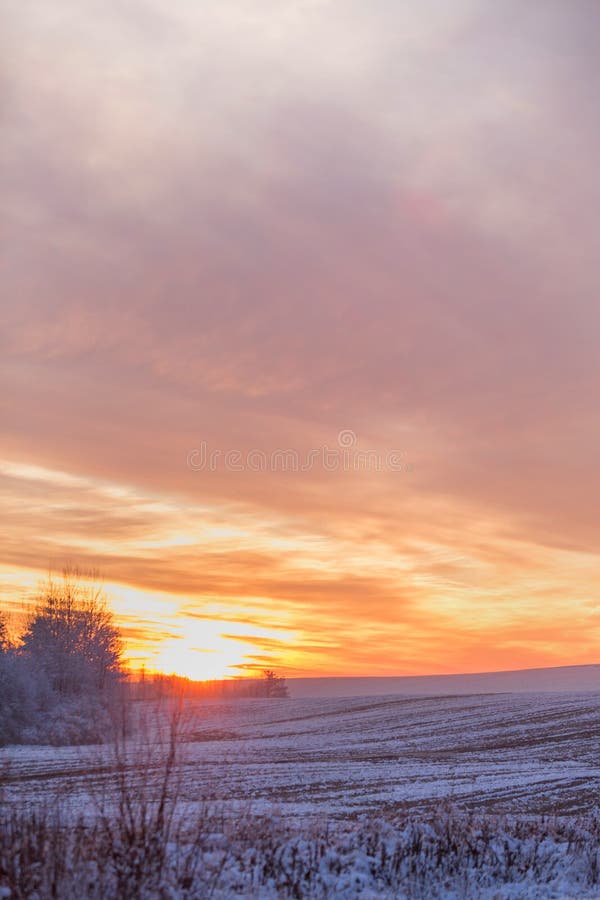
(514, 753)
(326, 798)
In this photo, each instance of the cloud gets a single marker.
(259, 227)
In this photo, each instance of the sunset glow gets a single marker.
(299, 329)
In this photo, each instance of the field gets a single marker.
(303, 763)
(502, 753)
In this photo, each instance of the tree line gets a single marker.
(157, 685)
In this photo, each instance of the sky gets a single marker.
(299, 328)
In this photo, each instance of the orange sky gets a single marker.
(287, 234)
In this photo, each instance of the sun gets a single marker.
(198, 663)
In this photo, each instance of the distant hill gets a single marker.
(560, 679)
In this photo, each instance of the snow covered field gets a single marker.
(536, 753)
(450, 796)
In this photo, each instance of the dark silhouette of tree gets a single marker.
(274, 685)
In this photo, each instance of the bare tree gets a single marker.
(4, 639)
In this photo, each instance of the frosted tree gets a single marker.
(72, 635)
